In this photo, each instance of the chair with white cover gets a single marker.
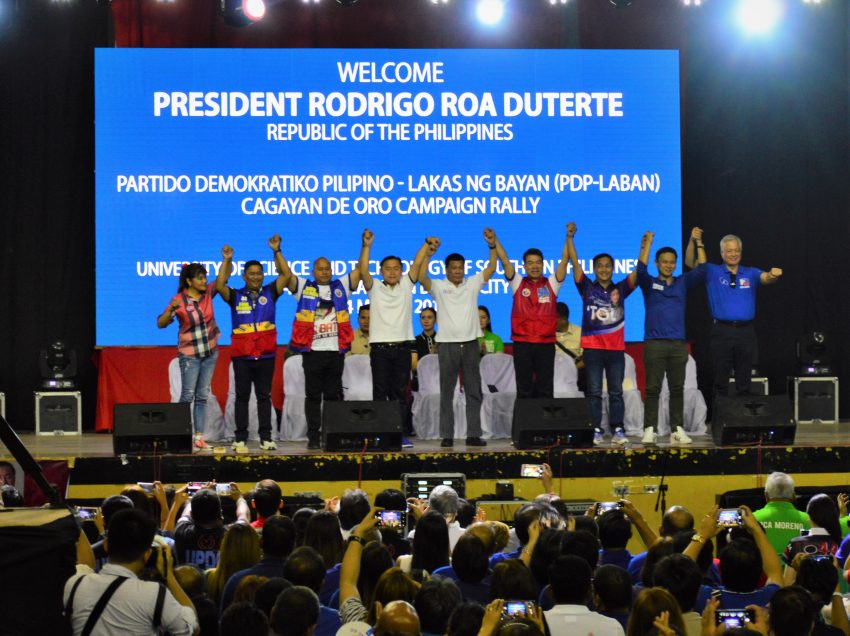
(293, 426)
(230, 412)
(566, 377)
(497, 408)
(426, 401)
(214, 428)
(357, 378)
(696, 410)
(633, 416)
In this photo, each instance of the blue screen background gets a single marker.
(134, 230)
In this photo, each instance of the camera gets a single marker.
(147, 486)
(730, 518)
(392, 519)
(194, 486)
(518, 609)
(735, 617)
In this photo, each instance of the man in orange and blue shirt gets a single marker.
(254, 339)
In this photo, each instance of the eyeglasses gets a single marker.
(733, 280)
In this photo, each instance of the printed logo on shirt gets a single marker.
(658, 286)
(263, 300)
(338, 293)
(744, 283)
(542, 295)
(526, 292)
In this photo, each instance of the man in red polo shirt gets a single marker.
(533, 319)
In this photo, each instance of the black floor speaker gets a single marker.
(353, 426)
(152, 428)
(753, 419)
(542, 422)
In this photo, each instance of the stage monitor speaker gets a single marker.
(152, 428)
(542, 422)
(351, 426)
(753, 419)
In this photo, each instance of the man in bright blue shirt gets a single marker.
(665, 350)
(732, 300)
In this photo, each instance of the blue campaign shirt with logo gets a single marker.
(665, 304)
(725, 301)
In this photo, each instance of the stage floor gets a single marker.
(90, 445)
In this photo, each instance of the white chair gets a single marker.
(230, 412)
(695, 407)
(357, 378)
(214, 428)
(497, 408)
(633, 416)
(426, 401)
(293, 426)
(566, 377)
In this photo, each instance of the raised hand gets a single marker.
(274, 242)
(646, 239)
(227, 252)
(696, 234)
(775, 272)
(572, 228)
(490, 236)
(368, 237)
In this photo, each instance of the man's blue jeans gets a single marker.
(613, 363)
(195, 379)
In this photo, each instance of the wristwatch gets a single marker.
(356, 539)
(698, 538)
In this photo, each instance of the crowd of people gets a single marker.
(322, 332)
(224, 562)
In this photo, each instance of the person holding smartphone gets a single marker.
(197, 341)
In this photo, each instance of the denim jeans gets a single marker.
(195, 379)
(660, 358)
(613, 363)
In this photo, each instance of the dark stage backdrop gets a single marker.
(765, 140)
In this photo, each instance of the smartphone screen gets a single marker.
(531, 470)
(730, 517)
(393, 519)
(194, 486)
(734, 618)
(87, 513)
(222, 489)
(517, 609)
(605, 506)
(147, 486)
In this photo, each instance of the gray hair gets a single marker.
(779, 486)
(444, 500)
(729, 238)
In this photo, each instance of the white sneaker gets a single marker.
(619, 437)
(268, 445)
(241, 448)
(680, 436)
(649, 436)
(597, 437)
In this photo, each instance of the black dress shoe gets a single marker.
(313, 444)
(447, 442)
(475, 441)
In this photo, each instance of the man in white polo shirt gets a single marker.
(390, 322)
(457, 302)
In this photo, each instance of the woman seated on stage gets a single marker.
(197, 340)
(426, 342)
(489, 342)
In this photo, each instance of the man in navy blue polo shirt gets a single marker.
(732, 300)
(665, 350)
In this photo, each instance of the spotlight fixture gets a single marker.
(813, 354)
(240, 13)
(58, 367)
(439, 1)
(490, 12)
(622, 4)
(346, 3)
(692, 3)
(554, 2)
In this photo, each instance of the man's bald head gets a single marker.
(676, 518)
(398, 617)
